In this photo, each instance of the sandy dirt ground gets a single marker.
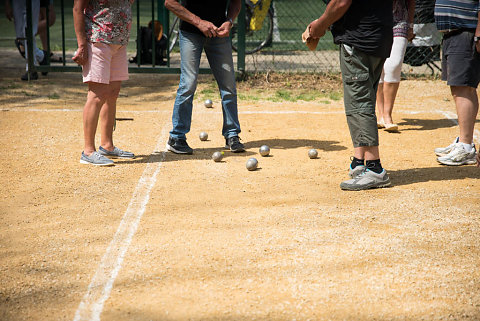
(168, 237)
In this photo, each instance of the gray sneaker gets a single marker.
(442, 151)
(116, 153)
(459, 156)
(366, 180)
(353, 173)
(95, 159)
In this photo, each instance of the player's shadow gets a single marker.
(251, 150)
(279, 143)
(426, 124)
(198, 154)
(435, 174)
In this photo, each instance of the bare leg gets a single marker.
(390, 90)
(42, 24)
(466, 101)
(380, 103)
(96, 98)
(107, 116)
(366, 152)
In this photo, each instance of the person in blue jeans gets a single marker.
(205, 25)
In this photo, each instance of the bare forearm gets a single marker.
(477, 32)
(411, 10)
(180, 11)
(79, 22)
(334, 11)
(234, 9)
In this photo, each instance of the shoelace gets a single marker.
(234, 140)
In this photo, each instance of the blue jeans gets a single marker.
(219, 55)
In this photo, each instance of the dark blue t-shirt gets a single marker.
(367, 25)
(214, 11)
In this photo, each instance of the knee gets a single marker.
(392, 70)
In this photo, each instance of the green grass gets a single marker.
(54, 96)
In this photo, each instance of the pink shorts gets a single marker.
(106, 63)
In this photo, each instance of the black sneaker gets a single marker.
(233, 143)
(33, 76)
(178, 146)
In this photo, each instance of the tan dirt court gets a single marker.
(168, 237)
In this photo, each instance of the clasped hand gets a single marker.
(211, 31)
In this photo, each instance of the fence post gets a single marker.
(63, 32)
(164, 14)
(30, 58)
(241, 39)
(139, 56)
(154, 54)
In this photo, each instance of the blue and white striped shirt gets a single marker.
(456, 14)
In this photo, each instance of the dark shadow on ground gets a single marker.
(426, 124)
(279, 143)
(206, 153)
(437, 173)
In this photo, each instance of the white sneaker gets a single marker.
(442, 151)
(459, 156)
(366, 180)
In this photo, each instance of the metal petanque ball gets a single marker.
(208, 103)
(264, 150)
(312, 153)
(217, 156)
(203, 136)
(252, 164)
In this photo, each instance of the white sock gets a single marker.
(467, 147)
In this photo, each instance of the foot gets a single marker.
(115, 153)
(179, 146)
(353, 173)
(391, 127)
(380, 123)
(233, 143)
(442, 151)
(458, 156)
(33, 76)
(366, 180)
(20, 47)
(95, 159)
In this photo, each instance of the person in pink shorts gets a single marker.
(102, 28)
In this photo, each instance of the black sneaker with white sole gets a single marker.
(233, 143)
(179, 146)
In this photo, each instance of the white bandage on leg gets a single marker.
(392, 69)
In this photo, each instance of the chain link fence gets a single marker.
(273, 45)
(287, 53)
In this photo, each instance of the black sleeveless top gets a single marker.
(214, 11)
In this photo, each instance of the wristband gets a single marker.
(230, 20)
(476, 39)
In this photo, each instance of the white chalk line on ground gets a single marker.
(101, 284)
(453, 118)
(247, 112)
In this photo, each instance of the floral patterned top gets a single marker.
(108, 21)
(400, 18)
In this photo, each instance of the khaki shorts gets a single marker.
(360, 74)
(106, 63)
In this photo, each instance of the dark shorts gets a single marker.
(461, 61)
(360, 73)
